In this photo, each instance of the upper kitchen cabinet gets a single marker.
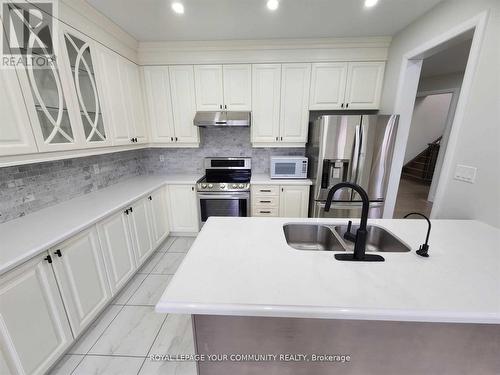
(223, 87)
(266, 88)
(122, 100)
(182, 88)
(294, 114)
(171, 104)
(16, 136)
(237, 87)
(364, 85)
(280, 95)
(355, 85)
(328, 82)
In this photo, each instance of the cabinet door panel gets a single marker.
(34, 330)
(82, 278)
(266, 88)
(114, 236)
(294, 118)
(328, 82)
(159, 217)
(140, 225)
(237, 87)
(294, 201)
(114, 104)
(364, 85)
(182, 88)
(135, 102)
(16, 136)
(78, 52)
(159, 103)
(183, 208)
(209, 90)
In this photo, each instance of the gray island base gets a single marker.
(343, 346)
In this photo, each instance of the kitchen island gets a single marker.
(250, 292)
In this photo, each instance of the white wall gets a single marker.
(478, 138)
(441, 82)
(427, 124)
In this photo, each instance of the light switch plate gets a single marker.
(162, 158)
(96, 168)
(465, 173)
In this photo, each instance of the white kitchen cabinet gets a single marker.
(328, 82)
(294, 201)
(280, 102)
(16, 136)
(182, 88)
(280, 200)
(118, 250)
(183, 209)
(159, 219)
(364, 85)
(237, 87)
(81, 276)
(294, 115)
(78, 63)
(34, 330)
(209, 87)
(159, 103)
(135, 102)
(114, 102)
(223, 87)
(141, 229)
(266, 87)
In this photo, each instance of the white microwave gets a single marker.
(288, 167)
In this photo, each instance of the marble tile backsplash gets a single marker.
(28, 188)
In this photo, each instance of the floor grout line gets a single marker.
(88, 354)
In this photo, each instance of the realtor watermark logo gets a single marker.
(29, 33)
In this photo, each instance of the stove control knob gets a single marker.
(210, 186)
(203, 186)
(222, 186)
(235, 186)
(241, 186)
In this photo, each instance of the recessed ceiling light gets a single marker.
(178, 8)
(272, 4)
(370, 3)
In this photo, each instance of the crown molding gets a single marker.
(85, 18)
(264, 51)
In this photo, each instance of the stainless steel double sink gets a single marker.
(322, 237)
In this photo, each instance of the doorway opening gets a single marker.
(437, 95)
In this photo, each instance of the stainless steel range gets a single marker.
(225, 189)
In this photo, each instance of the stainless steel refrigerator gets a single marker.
(353, 148)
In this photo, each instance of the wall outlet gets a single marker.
(162, 158)
(96, 168)
(465, 173)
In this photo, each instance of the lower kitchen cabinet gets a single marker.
(34, 329)
(118, 251)
(140, 228)
(159, 219)
(81, 275)
(294, 201)
(280, 200)
(183, 209)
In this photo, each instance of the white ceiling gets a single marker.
(153, 20)
(451, 60)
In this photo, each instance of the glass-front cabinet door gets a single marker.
(80, 66)
(63, 97)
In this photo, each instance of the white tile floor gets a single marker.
(129, 330)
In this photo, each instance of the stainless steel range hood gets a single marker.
(221, 118)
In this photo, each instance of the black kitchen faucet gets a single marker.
(360, 238)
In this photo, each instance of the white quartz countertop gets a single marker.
(244, 266)
(23, 238)
(264, 179)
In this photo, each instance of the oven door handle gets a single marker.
(224, 196)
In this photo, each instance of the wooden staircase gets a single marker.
(421, 168)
